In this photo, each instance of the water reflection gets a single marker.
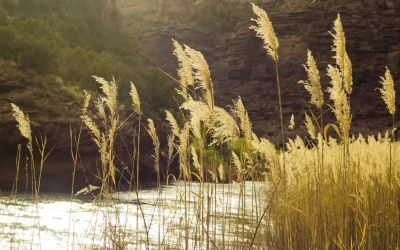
(171, 219)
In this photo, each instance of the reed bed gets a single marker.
(334, 192)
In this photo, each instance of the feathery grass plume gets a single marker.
(104, 155)
(156, 143)
(135, 99)
(195, 125)
(185, 72)
(347, 74)
(312, 84)
(341, 106)
(174, 124)
(112, 130)
(196, 162)
(241, 112)
(292, 124)
(86, 102)
(339, 42)
(221, 172)
(224, 127)
(387, 91)
(265, 31)
(183, 145)
(110, 90)
(93, 129)
(238, 164)
(199, 112)
(264, 146)
(201, 74)
(198, 109)
(24, 125)
(99, 104)
(170, 144)
(341, 57)
(310, 127)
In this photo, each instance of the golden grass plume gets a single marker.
(24, 124)
(156, 143)
(312, 84)
(185, 72)
(310, 127)
(135, 99)
(240, 111)
(387, 91)
(201, 74)
(291, 123)
(341, 106)
(341, 56)
(265, 31)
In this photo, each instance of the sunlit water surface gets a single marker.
(57, 222)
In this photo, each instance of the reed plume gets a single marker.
(387, 91)
(170, 148)
(347, 74)
(264, 146)
(24, 124)
(104, 140)
(223, 128)
(195, 126)
(86, 101)
(198, 110)
(135, 99)
(310, 127)
(265, 31)
(202, 75)
(93, 129)
(341, 57)
(339, 42)
(99, 104)
(291, 123)
(156, 143)
(185, 72)
(312, 84)
(341, 106)
(110, 90)
(196, 162)
(240, 111)
(182, 150)
(218, 121)
(173, 123)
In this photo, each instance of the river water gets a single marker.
(173, 217)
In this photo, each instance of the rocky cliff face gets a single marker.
(240, 66)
